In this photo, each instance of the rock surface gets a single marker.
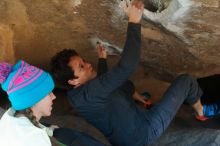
(183, 37)
(191, 43)
(6, 44)
(190, 137)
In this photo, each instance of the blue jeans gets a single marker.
(183, 88)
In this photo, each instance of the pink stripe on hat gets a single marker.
(25, 75)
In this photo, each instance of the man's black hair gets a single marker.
(60, 69)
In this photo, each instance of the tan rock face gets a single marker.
(6, 44)
(180, 39)
(189, 42)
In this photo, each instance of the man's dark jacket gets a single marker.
(107, 105)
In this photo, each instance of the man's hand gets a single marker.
(102, 53)
(133, 10)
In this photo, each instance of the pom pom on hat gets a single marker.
(5, 70)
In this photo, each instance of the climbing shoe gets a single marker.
(209, 111)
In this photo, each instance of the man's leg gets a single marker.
(183, 88)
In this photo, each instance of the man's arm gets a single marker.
(113, 79)
(102, 62)
(102, 66)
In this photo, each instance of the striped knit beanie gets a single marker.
(25, 84)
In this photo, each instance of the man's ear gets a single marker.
(74, 82)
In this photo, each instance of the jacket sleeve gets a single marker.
(37, 138)
(128, 88)
(103, 85)
(102, 66)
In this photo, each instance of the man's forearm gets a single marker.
(131, 53)
(102, 66)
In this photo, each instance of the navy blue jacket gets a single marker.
(105, 104)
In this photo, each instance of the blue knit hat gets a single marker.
(25, 84)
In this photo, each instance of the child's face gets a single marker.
(44, 107)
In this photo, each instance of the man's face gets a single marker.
(82, 69)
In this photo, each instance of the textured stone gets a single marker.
(194, 46)
(190, 137)
(181, 37)
(6, 44)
